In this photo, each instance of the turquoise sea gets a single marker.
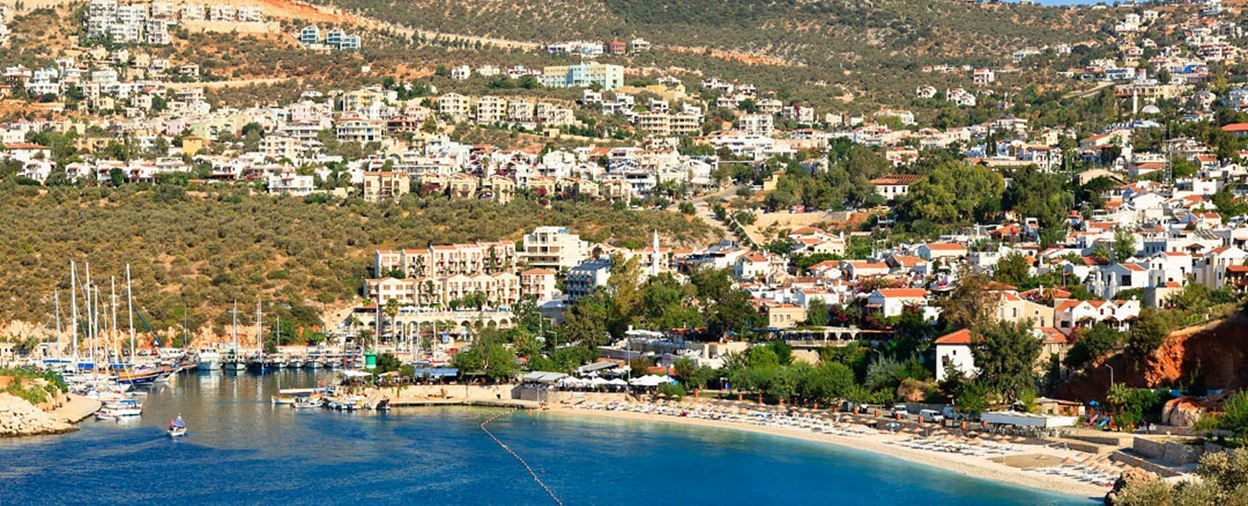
(242, 450)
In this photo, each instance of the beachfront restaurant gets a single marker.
(542, 378)
(1014, 421)
(434, 374)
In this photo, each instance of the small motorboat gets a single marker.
(117, 410)
(274, 362)
(308, 401)
(291, 395)
(177, 427)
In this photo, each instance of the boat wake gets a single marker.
(526, 465)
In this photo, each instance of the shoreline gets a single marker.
(964, 465)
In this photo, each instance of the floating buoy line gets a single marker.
(526, 465)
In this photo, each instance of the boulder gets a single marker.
(1184, 411)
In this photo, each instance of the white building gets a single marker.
(555, 248)
(953, 352)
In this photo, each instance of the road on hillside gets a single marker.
(702, 208)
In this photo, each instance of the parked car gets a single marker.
(932, 415)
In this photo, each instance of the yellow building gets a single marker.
(379, 186)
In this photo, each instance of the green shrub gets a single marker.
(672, 391)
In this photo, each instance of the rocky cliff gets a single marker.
(1212, 355)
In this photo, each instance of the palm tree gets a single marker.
(391, 310)
(364, 339)
(491, 259)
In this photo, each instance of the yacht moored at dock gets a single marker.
(208, 360)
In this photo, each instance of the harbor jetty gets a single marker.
(21, 418)
(499, 396)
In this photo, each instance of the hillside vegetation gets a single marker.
(863, 47)
(193, 252)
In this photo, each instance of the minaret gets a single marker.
(654, 255)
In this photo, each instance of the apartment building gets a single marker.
(379, 186)
(497, 290)
(554, 116)
(554, 248)
(540, 284)
(520, 110)
(490, 110)
(756, 124)
(584, 75)
(363, 131)
(453, 105)
(447, 260)
(583, 279)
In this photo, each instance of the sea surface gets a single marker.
(243, 450)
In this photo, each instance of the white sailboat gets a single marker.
(235, 361)
(207, 359)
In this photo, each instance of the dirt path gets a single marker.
(231, 83)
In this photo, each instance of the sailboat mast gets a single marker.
(97, 340)
(234, 324)
(130, 310)
(90, 317)
(259, 323)
(112, 288)
(73, 304)
(57, 297)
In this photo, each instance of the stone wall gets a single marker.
(1170, 453)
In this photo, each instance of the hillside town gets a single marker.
(1005, 235)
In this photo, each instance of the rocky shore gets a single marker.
(21, 418)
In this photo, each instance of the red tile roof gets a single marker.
(1054, 336)
(903, 292)
(24, 145)
(962, 337)
(897, 180)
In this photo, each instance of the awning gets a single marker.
(651, 381)
(596, 366)
(542, 377)
(436, 372)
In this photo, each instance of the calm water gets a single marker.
(243, 450)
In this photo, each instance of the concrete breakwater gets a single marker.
(449, 395)
(21, 418)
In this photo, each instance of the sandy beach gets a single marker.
(987, 468)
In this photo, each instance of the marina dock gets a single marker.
(497, 403)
